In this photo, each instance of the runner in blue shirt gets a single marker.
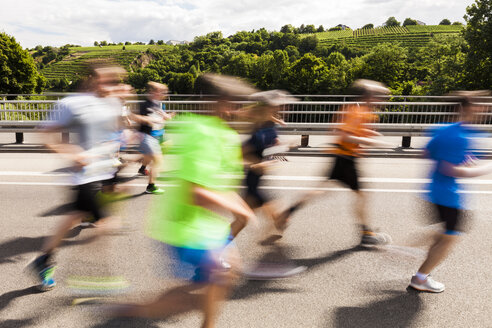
(449, 148)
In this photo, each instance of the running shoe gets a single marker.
(154, 190)
(370, 238)
(43, 268)
(224, 265)
(427, 285)
(143, 171)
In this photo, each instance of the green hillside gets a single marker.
(409, 36)
(72, 65)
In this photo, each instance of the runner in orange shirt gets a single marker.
(353, 133)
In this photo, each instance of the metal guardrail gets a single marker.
(302, 117)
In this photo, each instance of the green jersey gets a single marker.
(209, 155)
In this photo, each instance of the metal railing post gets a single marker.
(406, 141)
(305, 140)
(19, 137)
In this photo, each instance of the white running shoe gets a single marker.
(427, 285)
(375, 239)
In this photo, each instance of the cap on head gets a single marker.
(467, 98)
(157, 87)
(369, 88)
(273, 97)
(225, 86)
(111, 74)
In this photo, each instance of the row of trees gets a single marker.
(391, 21)
(433, 69)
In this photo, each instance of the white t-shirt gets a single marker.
(95, 121)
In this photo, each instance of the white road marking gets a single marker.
(274, 178)
(375, 190)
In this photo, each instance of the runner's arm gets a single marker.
(363, 140)
(140, 118)
(462, 171)
(228, 201)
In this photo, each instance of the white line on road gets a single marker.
(275, 178)
(375, 190)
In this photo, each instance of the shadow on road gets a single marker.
(278, 254)
(399, 310)
(128, 323)
(11, 250)
(67, 208)
(313, 263)
(8, 297)
(17, 323)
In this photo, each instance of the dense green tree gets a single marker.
(478, 34)
(368, 26)
(307, 75)
(151, 42)
(287, 29)
(310, 29)
(392, 22)
(240, 65)
(334, 59)
(386, 63)
(442, 62)
(445, 21)
(308, 43)
(18, 73)
(292, 52)
(409, 21)
(181, 82)
(320, 29)
(140, 78)
(457, 23)
(96, 44)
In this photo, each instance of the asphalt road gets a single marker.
(344, 286)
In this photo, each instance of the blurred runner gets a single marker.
(263, 136)
(189, 221)
(151, 118)
(352, 133)
(93, 117)
(449, 148)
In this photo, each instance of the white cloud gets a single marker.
(57, 22)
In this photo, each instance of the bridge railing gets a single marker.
(306, 118)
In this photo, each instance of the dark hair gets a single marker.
(467, 98)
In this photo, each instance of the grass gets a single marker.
(72, 66)
(409, 36)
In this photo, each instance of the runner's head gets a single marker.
(269, 103)
(224, 89)
(369, 90)
(467, 104)
(157, 91)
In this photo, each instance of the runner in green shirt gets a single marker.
(187, 221)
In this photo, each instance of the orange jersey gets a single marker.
(353, 123)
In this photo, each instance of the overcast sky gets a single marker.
(58, 22)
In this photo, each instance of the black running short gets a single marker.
(86, 200)
(345, 171)
(452, 218)
(254, 197)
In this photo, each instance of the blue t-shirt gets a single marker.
(262, 138)
(449, 144)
